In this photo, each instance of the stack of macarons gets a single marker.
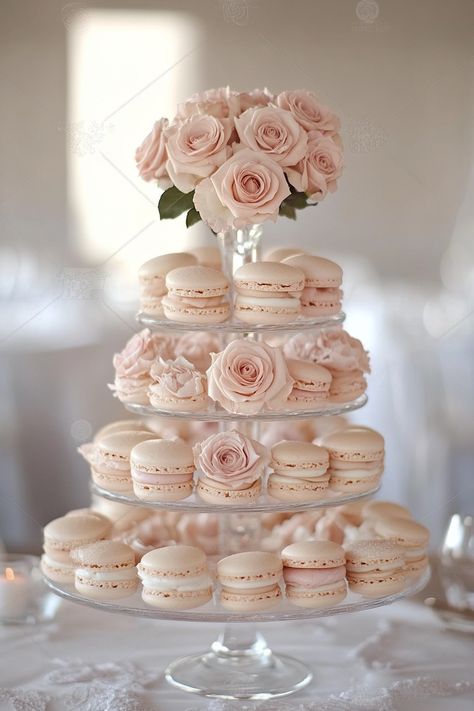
(105, 570)
(267, 292)
(162, 470)
(311, 385)
(314, 573)
(356, 459)
(250, 581)
(299, 471)
(375, 568)
(151, 279)
(63, 535)
(175, 577)
(322, 294)
(196, 294)
(109, 458)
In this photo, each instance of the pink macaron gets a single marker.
(196, 294)
(375, 568)
(311, 384)
(110, 459)
(105, 570)
(412, 537)
(267, 292)
(356, 459)
(62, 536)
(300, 471)
(322, 295)
(314, 573)
(151, 279)
(347, 386)
(250, 581)
(162, 470)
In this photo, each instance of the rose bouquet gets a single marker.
(235, 159)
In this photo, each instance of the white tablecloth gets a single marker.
(392, 658)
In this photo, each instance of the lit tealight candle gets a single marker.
(15, 594)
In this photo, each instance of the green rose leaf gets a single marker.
(173, 202)
(192, 217)
(287, 211)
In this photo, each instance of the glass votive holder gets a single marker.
(24, 597)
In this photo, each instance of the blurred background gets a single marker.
(82, 83)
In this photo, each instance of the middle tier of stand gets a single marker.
(265, 503)
(218, 414)
(231, 326)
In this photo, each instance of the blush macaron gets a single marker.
(62, 536)
(347, 386)
(281, 253)
(152, 276)
(311, 384)
(196, 294)
(412, 537)
(375, 568)
(314, 573)
(105, 570)
(300, 471)
(162, 470)
(356, 459)
(267, 292)
(321, 295)
(175, 577)
(110, 459)
(250, 581)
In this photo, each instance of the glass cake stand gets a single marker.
(239, 664)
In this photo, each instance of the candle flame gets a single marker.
(9, 574)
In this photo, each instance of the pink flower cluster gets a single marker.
(241, 155)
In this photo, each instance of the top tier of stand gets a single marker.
(232, 326)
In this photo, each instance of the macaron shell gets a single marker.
(104, 590)
(163, 492)
(321, 302)
(355, 444)
(373, 556)
(281, 253)
(58, 573)
(354, 485)
(415, 568)
(317, 598)
(288, 456)
(252, 311)
(403, 531)
(298, 490)
(318, 271)
(313, 554)
(174, 560)
(214, 493)
(152, 305)
(118, 482)
(174, 600)
(376, 584)
(189, 404)
(196, 282)
(251, 601)
(165, 456)
(155, 270)
(185, 313)
(348, 387)
(68, 532)
(268, 277)
(380, 509)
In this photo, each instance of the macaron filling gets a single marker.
(118, 574)
(180, 584)
(313, 577)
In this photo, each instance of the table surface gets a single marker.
(387, 659)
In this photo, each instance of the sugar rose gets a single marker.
(221, 103)
(274, 132)
(231, 458)
(196, 147)
(308, 111)
(139, 353)
(197, 348)
(247, 189)
(248, 377)
(333, 348)
(151, 156)
(176, 378)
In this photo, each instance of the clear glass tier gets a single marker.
(264, 504)
(232, 326)
(214, 612)
(218, 414)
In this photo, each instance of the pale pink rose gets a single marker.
(197, 348)
(151, 156)
(221, 103)
(333, 348)
(256, 97)
(231, 459)
(176, 379)
(274, 132)
(248, 377)
(317, 172)
(308, 111)
(196, 147)
(247, 189)
(141, 350)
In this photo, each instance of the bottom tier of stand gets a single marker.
(239, 664)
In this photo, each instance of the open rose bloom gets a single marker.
(234, 159)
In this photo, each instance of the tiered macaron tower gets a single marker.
(240, 492)
(258, 373)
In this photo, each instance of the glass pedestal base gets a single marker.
(239, 667)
